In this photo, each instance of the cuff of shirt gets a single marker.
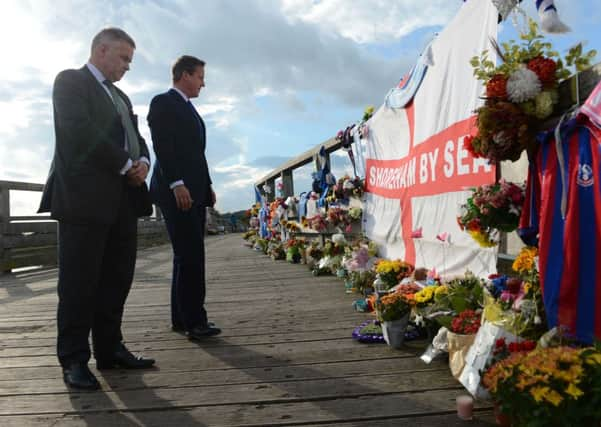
(144, 160)
(176, 183)
(127, 167)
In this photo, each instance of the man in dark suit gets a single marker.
(96, 191)
(181, 186)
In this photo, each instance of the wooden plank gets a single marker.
(21, 186)
(254, 416)
(285, 356)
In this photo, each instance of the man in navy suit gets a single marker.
(96, 191)
(181, 186)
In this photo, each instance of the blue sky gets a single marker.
(282, 75)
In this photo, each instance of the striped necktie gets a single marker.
(133, 144)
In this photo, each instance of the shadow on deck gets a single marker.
(285, 357)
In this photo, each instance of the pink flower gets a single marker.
(417, 233)
(443, 237)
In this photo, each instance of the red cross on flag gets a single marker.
(417, 170)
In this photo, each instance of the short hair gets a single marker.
(112, 34)
(185, 63)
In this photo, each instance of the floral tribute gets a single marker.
(492, 208)
(347, 187)
(519, 92)
(392, 307)
(548, 386)
(466, 323)
(391, 272)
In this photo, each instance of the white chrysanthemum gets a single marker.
(523, 85)
(544, 104)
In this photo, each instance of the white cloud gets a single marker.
(372, 21)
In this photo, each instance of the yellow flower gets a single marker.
(574, 391)
(482, 238)
(594, 359)
(539, 393)
(554, 398)
(425, 294)
(524, 262)
(527, 287)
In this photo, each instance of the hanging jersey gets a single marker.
(563, 215)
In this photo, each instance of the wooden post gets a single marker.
(4, 220)
(288, 182)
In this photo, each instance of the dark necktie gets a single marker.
(133, 145)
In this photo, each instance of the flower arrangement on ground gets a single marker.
(391, 272)
(516, 304)
(492, 208)
(452, 298)
(466, 323)
(392, 307)
(548, 386)
(520, 91)
(294, 249)
(275, 250)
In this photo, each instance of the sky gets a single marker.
(282, 76)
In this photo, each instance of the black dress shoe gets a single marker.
(77, 375)
(124, 359)
(200, 332)
(181, 330)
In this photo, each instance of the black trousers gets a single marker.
(186, 231)
(96, 268)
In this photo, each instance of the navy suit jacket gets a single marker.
(179, 142)
(84, 184)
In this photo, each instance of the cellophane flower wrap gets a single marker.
(520, 92)
(559, 386)
(492, 208)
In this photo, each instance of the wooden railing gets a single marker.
(32, 240)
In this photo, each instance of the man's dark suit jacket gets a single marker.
(179, 141)
(84, 184)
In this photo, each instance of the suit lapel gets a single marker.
(100, 92)
(191, 113)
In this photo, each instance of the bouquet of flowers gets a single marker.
(490, 209)
(392, 307)
(317, 223)
(347, 187)
(294, 249)
(548, 386)
(516, 304)
(338, 217)
(452, 298)
(275, 250)
(391, 272)
(519, 92)
(466, 323)
(355, 214)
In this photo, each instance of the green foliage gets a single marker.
(533, 45)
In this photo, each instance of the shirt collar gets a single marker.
(96, 73)
(183, 95)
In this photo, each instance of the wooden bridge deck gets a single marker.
(285, 357)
